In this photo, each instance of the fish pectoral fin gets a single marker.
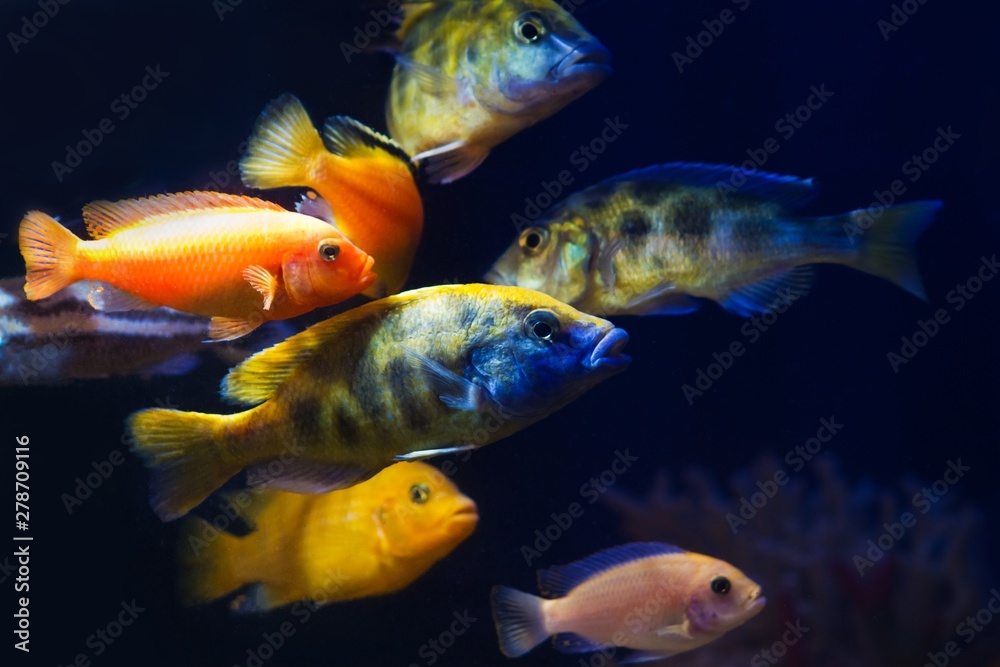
(450, 162)
(453, 390)
(769, 292)
(230, 328)
(107, 298)
(429, 79)
(661, 300)
(315, 206)
(302, 476)
(606, 263)
(427, 453)
(263, 281)
(678, 632)
(636, 657)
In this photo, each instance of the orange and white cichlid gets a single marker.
(374, 538)
(239, 260)
(655, 599)
(366, 178)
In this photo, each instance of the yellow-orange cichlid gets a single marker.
(371, 539)
(425, 372)
(656, 240)
(652, 598)
(366, 178)
(239, 260)
(471, 74)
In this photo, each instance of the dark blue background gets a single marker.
(827, 356)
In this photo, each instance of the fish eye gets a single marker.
(533, 240)
(329, 251)
(721, 585)
(541, 325)
(529, 27)
(420, 493)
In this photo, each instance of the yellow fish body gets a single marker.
(424, 372)
(470, 74)
(371, 539)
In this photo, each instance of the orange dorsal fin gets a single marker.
(104, 217)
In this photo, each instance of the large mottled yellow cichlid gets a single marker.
(374, 538)
(471, 73)
(653, 241)
(424, 372)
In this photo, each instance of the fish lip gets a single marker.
(588, 58)
(365, 275)
(607, 351)
(757, 604)
(466, 511)
(495, 278)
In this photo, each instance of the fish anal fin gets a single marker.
(636, 657)
(314, 206)
(569, 642)
(108, 298)
(105, 217)
(230, 328)
(421, 454)
(263, 281)
(450, 162)
(770, 292)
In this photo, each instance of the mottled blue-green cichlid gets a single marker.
(425, 372)
(654, 241)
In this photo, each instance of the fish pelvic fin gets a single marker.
(49, 251)
(885, 240)
(282, 147)
(222, 329)
(448, 163)
(182, 454)
(519, 620)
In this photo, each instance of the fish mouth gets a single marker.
(607, 352)
(495, 278)
(465, 513)
(365, 275)
(589, 59)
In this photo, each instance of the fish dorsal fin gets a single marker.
(560, 580)
(789, 191)
(348, 138)
(256, 379)
(105, 217)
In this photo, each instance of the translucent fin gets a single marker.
(677, 632)
(569, 642)
(789, 191)
(450, 162)
(427, 453)
(281, 146)
(104, 217)
(180, 451)
(606, 263)
(886, 248)
(661, 300)
(769, 292)
(49, 251)
(263, 281)
(180, 364)
(349, 138)
(300, 476)
(254, 601)
(430, 80)
(636, 657)
(313, 205)
(519, 621)
(230, 328)
(108, 298)
(560, 580)
(453, 390)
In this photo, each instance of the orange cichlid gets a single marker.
(239, 260)
(374, 538)
(366, 179)
(653, 598)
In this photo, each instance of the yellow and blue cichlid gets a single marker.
(655, 599)
(472, 73)
(425, 372)
(374, 538)
(654, 241)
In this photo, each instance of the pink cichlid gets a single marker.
(652, 598)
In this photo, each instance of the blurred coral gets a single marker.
(800, 545)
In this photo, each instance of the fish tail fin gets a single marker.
(49, 251)
(282, 147)
(519, 620)
(887, 237)
(210, 562)
(182, 453)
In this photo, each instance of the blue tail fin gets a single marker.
(519, 621)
